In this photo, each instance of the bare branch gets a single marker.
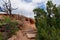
(7, 7)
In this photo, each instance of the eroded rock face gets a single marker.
(28, 28)
(30, 23)
(26, 24)
(24, 21)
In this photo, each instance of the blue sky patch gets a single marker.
(28, 1)
(41, 5)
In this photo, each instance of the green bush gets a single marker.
(1, 37)
(10, 27)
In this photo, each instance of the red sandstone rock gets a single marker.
(27, 24)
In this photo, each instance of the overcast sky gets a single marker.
(25, 7)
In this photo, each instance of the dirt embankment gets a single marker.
(27, 26)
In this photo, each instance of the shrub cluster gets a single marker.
(8, 26)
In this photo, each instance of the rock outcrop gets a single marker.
(27, 26)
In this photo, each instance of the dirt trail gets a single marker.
(19, 36)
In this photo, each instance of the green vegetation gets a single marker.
(48, 22)
(10, 27)
(1, 37)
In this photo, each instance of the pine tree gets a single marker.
(48, 23)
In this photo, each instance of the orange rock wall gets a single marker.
(27, 22)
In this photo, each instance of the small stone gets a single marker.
(30, 35)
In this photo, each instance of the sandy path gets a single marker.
(19, 36)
